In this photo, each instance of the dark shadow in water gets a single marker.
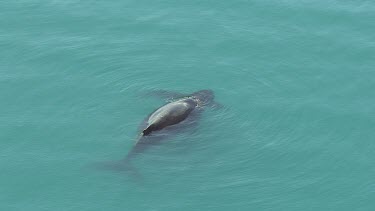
(143, 143)
(205, 99)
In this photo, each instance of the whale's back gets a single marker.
(169, 114)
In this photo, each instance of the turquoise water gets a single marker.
(296, 79)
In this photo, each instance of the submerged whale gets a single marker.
(180, 113)
(177, 111)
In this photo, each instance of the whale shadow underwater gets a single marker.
(181, 113)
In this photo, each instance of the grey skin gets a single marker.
(170, 114)
(180, 113)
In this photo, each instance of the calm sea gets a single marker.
(296, 78)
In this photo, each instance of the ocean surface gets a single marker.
(296, 80)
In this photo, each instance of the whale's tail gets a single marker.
(125, 165)
(120, 166)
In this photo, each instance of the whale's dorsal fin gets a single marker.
(165, 95)
(148, 130)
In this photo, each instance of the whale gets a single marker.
(179, 113)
